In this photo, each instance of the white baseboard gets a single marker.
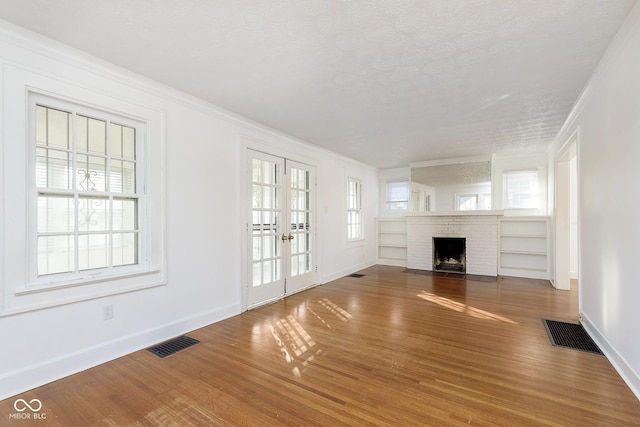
(619, 363)
(25, 379)
(347, 271)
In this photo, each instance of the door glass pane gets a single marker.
(256, 170)
(267, 246)
(300, 221)
(267, 272)
(266, 228)
(277, 275)
(277, 253)
(257, 196)
(302, 241)
(267, 221)
(257, 274)
(267, 197)
(268, 173)
(257, 248)
(303, 200)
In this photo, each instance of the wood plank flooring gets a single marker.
(390, 348)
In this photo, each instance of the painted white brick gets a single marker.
(480, 232)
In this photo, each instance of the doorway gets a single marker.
(566, 216)
(280, 228)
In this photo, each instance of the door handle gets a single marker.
(290, 237)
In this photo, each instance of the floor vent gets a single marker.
(167, 348)
(570, 335)
(356, 275)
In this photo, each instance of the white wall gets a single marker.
(203, 240)
(607, 116)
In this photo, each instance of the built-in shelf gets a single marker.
(392, 241)
(524, 247)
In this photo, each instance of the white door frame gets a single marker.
(562, 214)
(248, 149)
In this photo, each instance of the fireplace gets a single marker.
(449, 254)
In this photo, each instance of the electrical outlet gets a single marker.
(107, 312)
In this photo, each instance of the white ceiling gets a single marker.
(386, 82)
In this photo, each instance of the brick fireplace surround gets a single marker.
(479, 230)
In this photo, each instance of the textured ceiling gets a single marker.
(386, 82)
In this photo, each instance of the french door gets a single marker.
(280, 228)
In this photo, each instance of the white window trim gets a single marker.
(505, 197)
(18, 292)
(85, 276)
(470, 195)
(481, 201)
(390, 203)
(359, 209)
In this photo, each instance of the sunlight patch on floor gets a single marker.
(463, 308)
(337, 311)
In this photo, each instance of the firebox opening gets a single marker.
(449, 254)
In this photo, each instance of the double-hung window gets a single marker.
(88, 190)
(521, 189)
(354, 210)
(398, 195)
(467, 202)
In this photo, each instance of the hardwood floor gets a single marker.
(390, 348)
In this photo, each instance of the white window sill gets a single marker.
(44, 286)
(30, 298)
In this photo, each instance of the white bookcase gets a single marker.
(524, 247)
(392, 241)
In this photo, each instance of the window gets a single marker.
(88, 185)
(467, 202)
(521, 189)
(354, 210)
(398, 195)
(486, 197)
(83, 195)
